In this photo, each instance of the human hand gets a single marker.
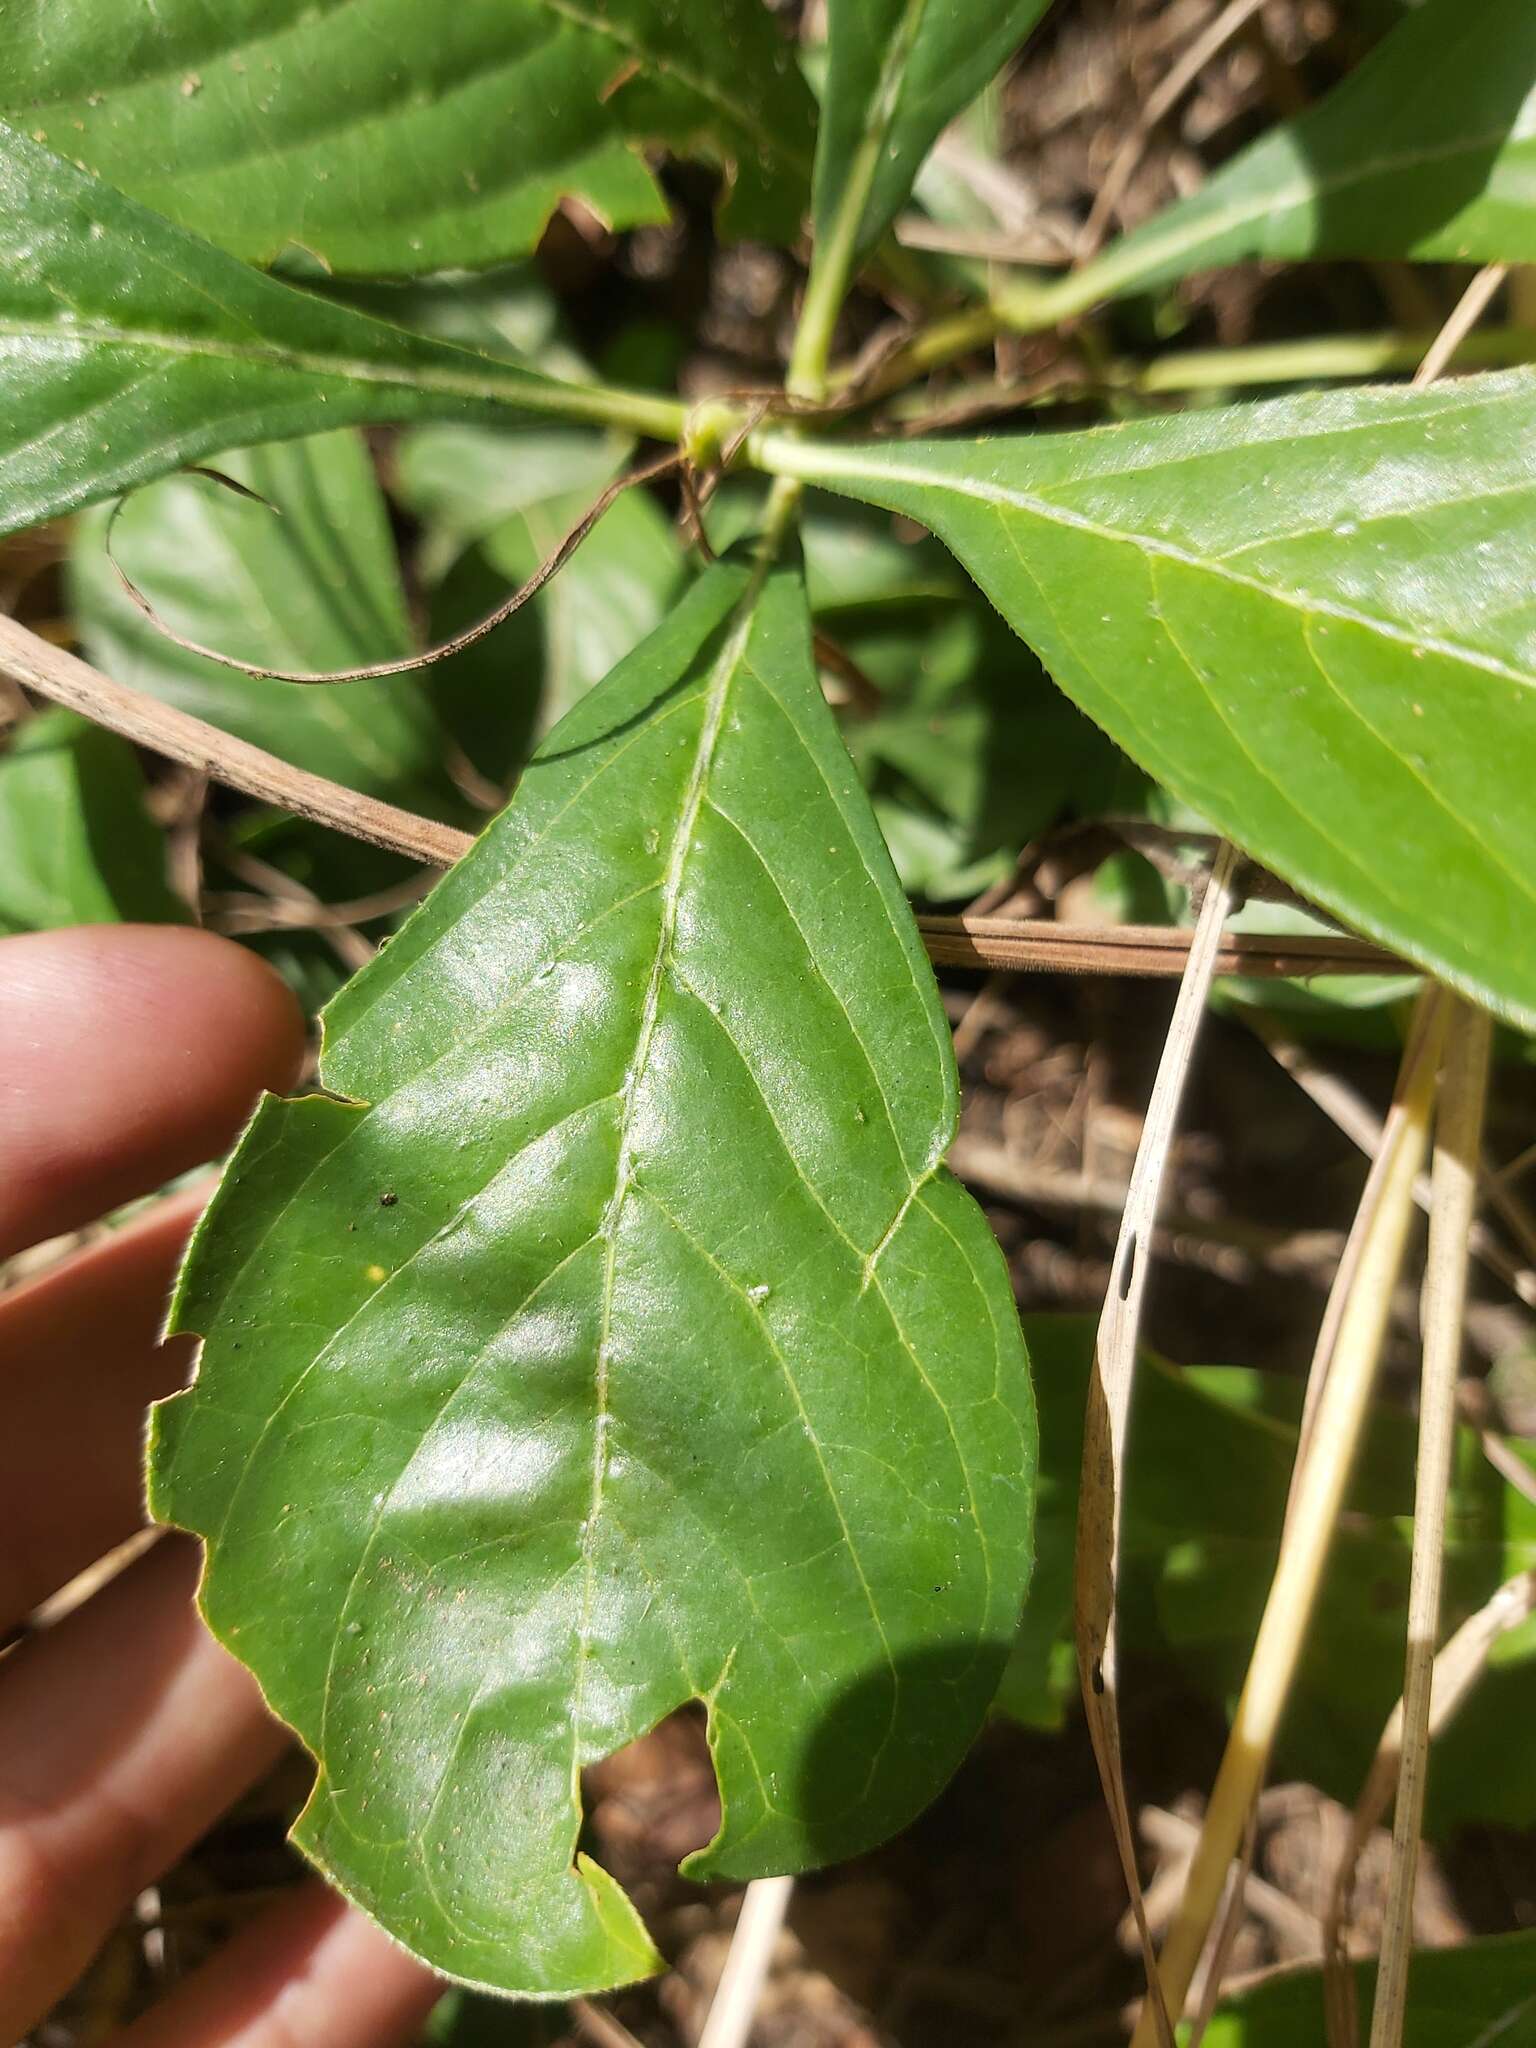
(129, 1055)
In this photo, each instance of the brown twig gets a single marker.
(1349, 1347)
(864, 695)
(1348, 1110)
(1458, 1142)
(64, 679)
(1459, 1665)
(1466, 313)
(350, 947)
(296, 910)
(1140, 949)
(999, 943)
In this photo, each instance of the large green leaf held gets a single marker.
(1312, 620)
(612, 1335)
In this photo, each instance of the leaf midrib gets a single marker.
(524, 390)
(726, 665)
(828, 466)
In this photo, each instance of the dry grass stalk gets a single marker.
(1109, 1398)
(1458, 1139)
(1356, 1327)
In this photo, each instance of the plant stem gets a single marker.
(645, 413)
(835, 253)
(1469, 1039)
(1341, 356)
(1325, 358)
(827, 285)
(1324, 1462)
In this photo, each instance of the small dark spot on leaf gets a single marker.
(388, 1199)
(1097, 1679)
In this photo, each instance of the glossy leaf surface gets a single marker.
(898, 71)
(1481, 1994)
(306, 581)
(129, 347)
(1427, 151)
(1310, 619)
(619, 1339)
(385, 137)
(77, 845)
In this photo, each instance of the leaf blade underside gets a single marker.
(641, 1281)
(1310, 619)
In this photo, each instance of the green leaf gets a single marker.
(603, 603)
(898, 71)
(128, 347)
(622, 1338)
(972, 750)
(517, 494)
(385, 137)
(76, 843)
(507, 312)
(1427, 151)
(462, 482)
(1476, 1995)
(1210, 1456)
(305, 581)
(1310, 619)
(501, 694)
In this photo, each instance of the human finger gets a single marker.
(128, 1054)
(80, 1361)
(310, 1971)
(124, 1731)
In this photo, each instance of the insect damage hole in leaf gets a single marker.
(666, 1376)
